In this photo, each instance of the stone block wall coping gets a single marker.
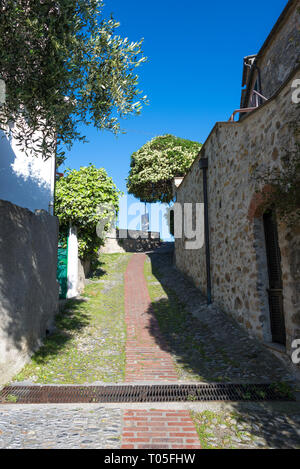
(134, 234)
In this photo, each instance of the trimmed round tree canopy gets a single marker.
(156, 163)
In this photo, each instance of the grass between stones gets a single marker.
(179, 328)
(220, 430)
(201, 350)
(88, 344)
(253, 429)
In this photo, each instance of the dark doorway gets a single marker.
(275, 278)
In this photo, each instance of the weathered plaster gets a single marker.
(28, 286)
(25, 180)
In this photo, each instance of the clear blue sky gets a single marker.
(193, 74)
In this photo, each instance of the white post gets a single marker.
(72, 263)
(52, 185)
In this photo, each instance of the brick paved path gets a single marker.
(147, 427)
(159, 429)
(146, 361)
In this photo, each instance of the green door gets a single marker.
(62, 271)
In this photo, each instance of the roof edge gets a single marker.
(277, 26)
(279, 23)
(239, 123)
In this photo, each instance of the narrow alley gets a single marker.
(140, 322)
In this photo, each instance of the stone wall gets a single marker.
(238, 260)
(84, 267)
(282, 53)
(28, 286)
(130, 241)
(289, 240)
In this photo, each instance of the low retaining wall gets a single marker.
(28, 286)
(130, 241)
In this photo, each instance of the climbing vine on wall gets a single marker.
(284, 182)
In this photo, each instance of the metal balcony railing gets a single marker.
(256, 99)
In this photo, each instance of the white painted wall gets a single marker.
(27, 181)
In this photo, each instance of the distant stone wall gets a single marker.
(84, 267)
(130, 241)
(238, 260)
(28, 286)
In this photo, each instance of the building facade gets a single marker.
(28, 254)
(254, 258)
(25, 180)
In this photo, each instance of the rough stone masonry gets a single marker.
(235, 151)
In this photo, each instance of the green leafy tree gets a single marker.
(64, 65)
(78, 197)
(154, 166)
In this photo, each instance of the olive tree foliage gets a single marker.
(156, 163)
(63, 64)
(80, 197)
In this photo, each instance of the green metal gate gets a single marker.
(62, 271)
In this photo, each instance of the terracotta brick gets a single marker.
(160, 434)
(145, 359)
(135, 440)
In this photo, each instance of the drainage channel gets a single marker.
(145, 393)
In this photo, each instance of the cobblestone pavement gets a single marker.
(206, 344)
(60, 427)
(171, 336)
(88, 344)
(255, 429)
(96, 426)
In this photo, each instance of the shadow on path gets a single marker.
(72, 319)
(209, 346)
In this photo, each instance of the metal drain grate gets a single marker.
(147, 393)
